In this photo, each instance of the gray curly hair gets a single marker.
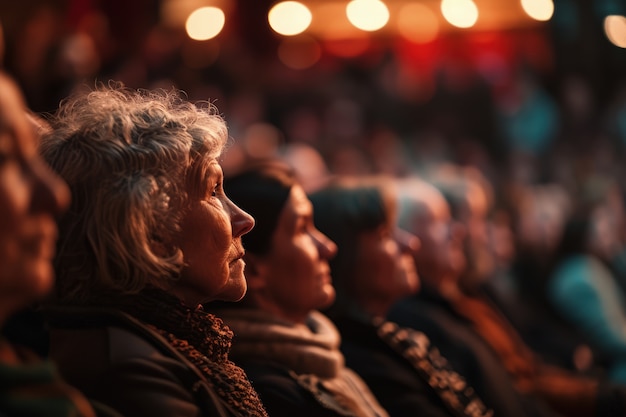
(132, 159)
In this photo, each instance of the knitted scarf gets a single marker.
(200, 336)
(310, 351)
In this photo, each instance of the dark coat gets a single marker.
(400, 388)
(284, 396)
(297, 370)
(467, 352)
(118, 361)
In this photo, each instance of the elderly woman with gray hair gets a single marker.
(150, 235)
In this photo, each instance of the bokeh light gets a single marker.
(289, 18)
(615, 30)
(205, 23)
(460, 13)
(367, 15)
(417, 23)
(541, 10)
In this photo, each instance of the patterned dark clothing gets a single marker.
(407, 374)
(149, 354)
(201, 337)
(467, 353)
(298, 369)
(451, 387)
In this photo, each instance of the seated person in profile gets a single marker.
(289, 350)
(149, 236)
(584, 286)
(373, 269)
(31, 196)
(473, 334)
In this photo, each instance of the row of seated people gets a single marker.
(170, 301)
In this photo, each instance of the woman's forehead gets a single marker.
(299, 201)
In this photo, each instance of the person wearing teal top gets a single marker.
(583, 286)
(584, 290)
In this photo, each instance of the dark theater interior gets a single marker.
(509, 114)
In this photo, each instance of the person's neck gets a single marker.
(262, 303)
(446, 286)
(8, 307)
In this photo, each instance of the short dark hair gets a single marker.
(261, 190)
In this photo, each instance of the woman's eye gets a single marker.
(215, 190)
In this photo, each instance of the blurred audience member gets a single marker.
(31, 196)
(373, 269)
(440, 261)
(470, 197)
(488, 332)
(308, 165)
(582, 286)
(538, 217)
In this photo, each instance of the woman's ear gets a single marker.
(255, 271)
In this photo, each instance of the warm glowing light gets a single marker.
(289, 18)
(417, 23)
(205, 23)
(367, 15)
(460, 13)
(299, 53)
(615, 30)
(541, 10)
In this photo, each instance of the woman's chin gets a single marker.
(40, 279)
(234, 290)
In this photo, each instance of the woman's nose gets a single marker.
(241, 221)
(50, 193)
(326, 247)
(407, 242)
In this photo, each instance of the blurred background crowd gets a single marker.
(522, 99)
(528, 96)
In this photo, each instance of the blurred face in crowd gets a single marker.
(501, 238)
(293, 278)
(605, 235)
(210, 240)
(30, 198)
(385, 270)
(441, 253)
(473, 214)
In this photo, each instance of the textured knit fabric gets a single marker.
(310, 353)
(407, 374)
(459, 397)
(200, 336)
(30, 387)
